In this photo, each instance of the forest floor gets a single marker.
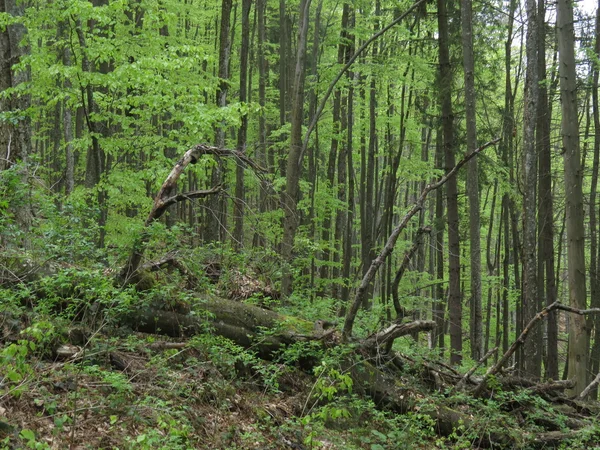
(133, 393)
(74, 378)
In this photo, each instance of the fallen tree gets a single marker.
(375, 369)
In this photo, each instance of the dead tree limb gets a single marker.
(521, 339)
(590, 386)
(170, 260)
(472, 370)
(164, 199)
(394, 331)
(357, 53)
(391, 242)
(400, 310)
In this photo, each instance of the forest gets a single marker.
(299, 224)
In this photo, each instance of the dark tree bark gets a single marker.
(445, 92)
(216, 216)
(439, 304)
(335, 144)
(15, 129)
(68, 131)
(14, 134)
(348, 235)
(238, 233)
(546, 278)
(367, 174)
(594, 272)
(262, 152)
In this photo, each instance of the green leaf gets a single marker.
(14, 376)
(27, 434)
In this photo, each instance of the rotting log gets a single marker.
(374, 377)
(240, 322)
(386, 392)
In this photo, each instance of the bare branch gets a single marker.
(590, 386)
(472, 370)
(400, 311)
(164, 197)
(521, 339)
(391, 242)
(395, 331)
(164, 204)
(344, 69)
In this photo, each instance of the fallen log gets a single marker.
(386, 392)
(243, 324)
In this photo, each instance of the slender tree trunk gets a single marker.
(439, 305)
(472, 181)
(348, 240)
(216, 219)
(333, 150)
(238, 234)
(445, 88)
(546, 279)
(578, 331)
(15, 138)
(532, 349)
(68, 131)
(594, 275)
(367, 203)
(261, 154)
(294, 165)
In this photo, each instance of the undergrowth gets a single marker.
(121, 390)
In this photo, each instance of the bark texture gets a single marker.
(578, 330)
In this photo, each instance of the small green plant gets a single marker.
(31, 441)
(15, 367)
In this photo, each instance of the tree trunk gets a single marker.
(216, 215)
(445, 89)
(578, 331)
(348, 241)
(238, 233)
(294, 163)
(333, 150)
(15, 129)
(594, 275)
(439, 305)
(472, 181)
(546, 278)
(532, 350)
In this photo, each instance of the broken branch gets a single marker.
(395, 331)
(164, 199)
(391, 242)
(521, 339)
(472, 370)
